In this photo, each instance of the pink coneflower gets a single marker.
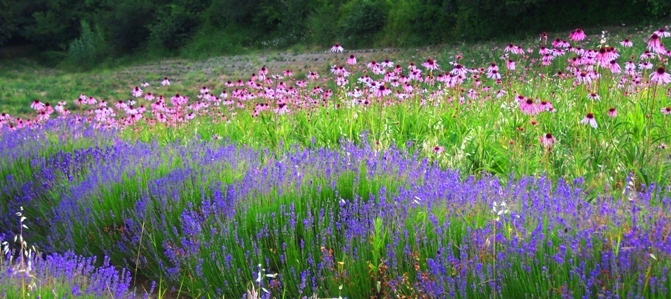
(337, 48)
(660, 76)
(662, 33)
(149, 97)
(165, 81)
(510, 64)
(288, 73)
(646, 65)
(577, 35)
(593, 96)
(666, 110)
(313, 76)
(37, 105)
(351, 60)
(438, 149)
(494, 75)
(388, 64)
(614, 67)
(137, 92)
(459, 70)
(204, 90)
(381, 91)
(430, 64)
(528, 106)
(612, 112)
(589, 119)
(547, 140)
(144, 84)
(626, 43)
(655, 44)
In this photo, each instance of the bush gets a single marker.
(363, 20)
(174, 26)
(89, 48)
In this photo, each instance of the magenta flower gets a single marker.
(577, 35)
(137, 92)
(351, 60)
(165, 81)
(430, 64)
(593, 96)
(510, 64)
(626, 43)
(666, 110)
(612, 112)
(528, 106)
(660, 76)
(548, 140)
(589, 119)
(337, 48)
(655, 44)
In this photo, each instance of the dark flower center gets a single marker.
(661, 71)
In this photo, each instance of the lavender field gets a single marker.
(531, 170)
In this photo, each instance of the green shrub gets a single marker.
(363, 20)
(89, 48)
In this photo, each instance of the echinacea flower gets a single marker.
(655, 44)
(666, 110)
(626, 43)
(660, 76)
(337, 48)
(351, 60)
(589, 119)
(137, 92)
(662, 33)
(547, 140)
(577, 35)
(430, 64)
(593, 96)
(438, 149)
(165, 81)
(612, 112)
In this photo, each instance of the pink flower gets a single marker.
(430, 64)
(313, 76)
(381, 91)
(547, 140)
(528, 106)
(655, 44)
(662, 33)
(612, 112)
(577, 35)
(288, 73)
(337, 48)
(589, 119)
(204, 90)
(165, 81)
(438, 149)
(614, 67)
(510, 64)
(660, 76)
(144, 84)
(351, 60)
(666, 110)
(593, 96)
(37, 105)
(626, 43)
(137, 92)
(149, 97)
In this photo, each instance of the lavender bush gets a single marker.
(219, 219)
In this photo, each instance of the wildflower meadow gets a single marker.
(534, 169)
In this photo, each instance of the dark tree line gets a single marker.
(90, 30)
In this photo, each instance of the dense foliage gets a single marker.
(221, 26)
